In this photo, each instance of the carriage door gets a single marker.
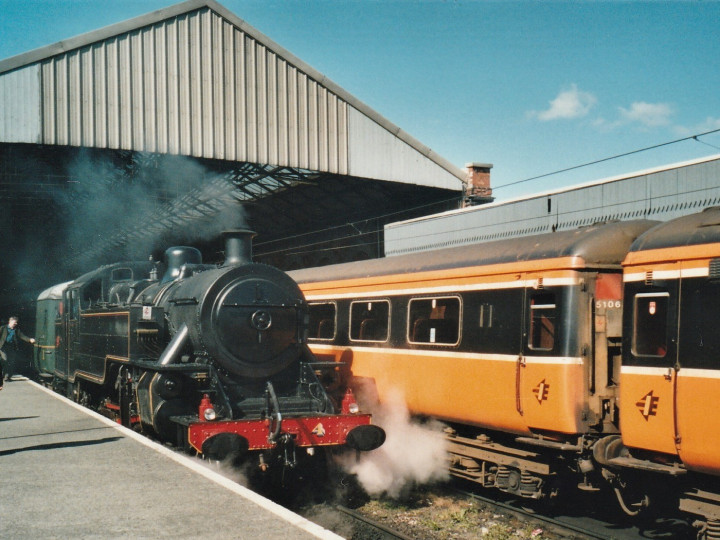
(699, 374)
(541, 308)
(649, 372)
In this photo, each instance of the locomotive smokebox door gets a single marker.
(254, 321)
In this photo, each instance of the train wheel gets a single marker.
(304, 479)
(58, 385)
(71, 390)
(78, 395)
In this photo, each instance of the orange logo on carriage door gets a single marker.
(648, 405)
(541, 391)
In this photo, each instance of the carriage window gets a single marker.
(543, 312)
(650, 324)
(369, 321)
(434, 320)
(322, 321)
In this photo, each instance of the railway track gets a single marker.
(436, 518)
(449, 511)
(364, 527)
(554, 526)
(580, 519)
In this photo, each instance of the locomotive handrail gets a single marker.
(152, 365)
(325, 363)
(184, 301)
(259, 304)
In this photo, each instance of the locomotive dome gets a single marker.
(178, 256)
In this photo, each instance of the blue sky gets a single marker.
(532, 87)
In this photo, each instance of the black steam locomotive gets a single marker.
(210, 358)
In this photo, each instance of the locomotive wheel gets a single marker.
(59, 386)
(71, 390)
(307, 480)
(226, 446)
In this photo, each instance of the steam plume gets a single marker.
(120, 214)
(413, 453)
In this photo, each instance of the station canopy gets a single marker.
(170, 127)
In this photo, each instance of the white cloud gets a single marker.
(647, 114)
(710, 124)
(568, 104)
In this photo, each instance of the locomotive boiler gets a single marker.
(213, 359)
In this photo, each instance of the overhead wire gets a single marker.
(692, 137)
(705, 143)
(295, 249)
(360, 221)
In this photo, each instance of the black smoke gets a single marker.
(129, 212)
(67, 211)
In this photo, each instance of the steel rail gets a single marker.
(386, 532)
(559, 526)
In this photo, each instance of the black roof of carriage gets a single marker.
(695, 229)
(599, 245)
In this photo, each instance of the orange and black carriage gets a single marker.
(671, 358)
(514, 344)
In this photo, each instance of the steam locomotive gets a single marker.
(212, 359)
(582, 359)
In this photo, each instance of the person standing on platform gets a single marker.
(10, 336)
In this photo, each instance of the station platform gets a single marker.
(67, 472)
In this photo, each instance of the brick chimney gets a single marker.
(478, 190)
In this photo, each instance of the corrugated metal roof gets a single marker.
(661, 193)
(194, 79)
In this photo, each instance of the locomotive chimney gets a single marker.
(238, 246)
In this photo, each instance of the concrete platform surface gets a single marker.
(67, 472)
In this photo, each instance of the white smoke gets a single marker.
(239, 474)
(120, 214)
(412, 454)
